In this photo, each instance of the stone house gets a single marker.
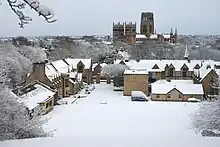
(176, 92)
(37, 97)
(209, 80)
(96, 72)
(55, 80)
(135, 80)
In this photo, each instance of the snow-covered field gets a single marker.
(120, 116)
(119, 122)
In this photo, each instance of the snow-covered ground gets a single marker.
(119, 122)
(120, 116)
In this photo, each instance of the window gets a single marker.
(170, 72)
(168, 96)
(212, 80)
(157, 96)
(184, 73)
(66, 81)
(80, 69)
(180, 96)
(47, 105)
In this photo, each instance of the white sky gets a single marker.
(85, 17)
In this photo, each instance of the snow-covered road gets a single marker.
(120, 116)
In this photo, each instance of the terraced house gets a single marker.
(203, 72)
(66, 75)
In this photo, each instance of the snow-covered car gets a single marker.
(118, 88)
(138, 96)
(80, 95)
(194, 100)
(90, 88)
(87, 91)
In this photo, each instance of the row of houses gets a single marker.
(50, 81)
(144, 75)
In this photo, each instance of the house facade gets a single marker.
(65, 75)
(209, 80)
(135, 81)
(37, 97)
(176, 92)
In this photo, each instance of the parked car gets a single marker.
(90, 87)
(118, 89)
(138, 96)
(194, 100)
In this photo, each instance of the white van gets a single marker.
(138, 96)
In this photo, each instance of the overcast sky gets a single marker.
(88, 17)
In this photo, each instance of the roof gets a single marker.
(153, 36)
(34, 94)
(183, 88)
(73, 62)
(178, 64)
(57, 67)
(95, 64)
(167, 36)
(136, 72)
(206, 68)
(174, 82)
(140, 36)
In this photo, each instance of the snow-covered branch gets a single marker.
(113, 70)
(207, 118)
(15, 122)
(18, 6)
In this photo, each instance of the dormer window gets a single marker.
(80, 67)
(155, 67)
(184, 70)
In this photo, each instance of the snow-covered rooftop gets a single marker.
(153, 36)
(183, 88)
(140, 36)
(95, 64)
(35, 96)
(73, 62)
(57, 67)
(136, 72)
(174, 82)
(177, 64)
(166, 36)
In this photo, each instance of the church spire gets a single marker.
(171, 31)
(176, 34)
(186, 54)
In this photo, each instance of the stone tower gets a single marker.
(130, 33)
(125, 32)
(147, 23)
(118, 32)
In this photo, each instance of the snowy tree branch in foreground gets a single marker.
(113, 70)
(207, 119)
(18, 6)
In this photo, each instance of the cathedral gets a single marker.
(126, 32)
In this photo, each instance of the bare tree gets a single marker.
(18, 6)
(15, 122)
(206, 120)
(113, 70)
